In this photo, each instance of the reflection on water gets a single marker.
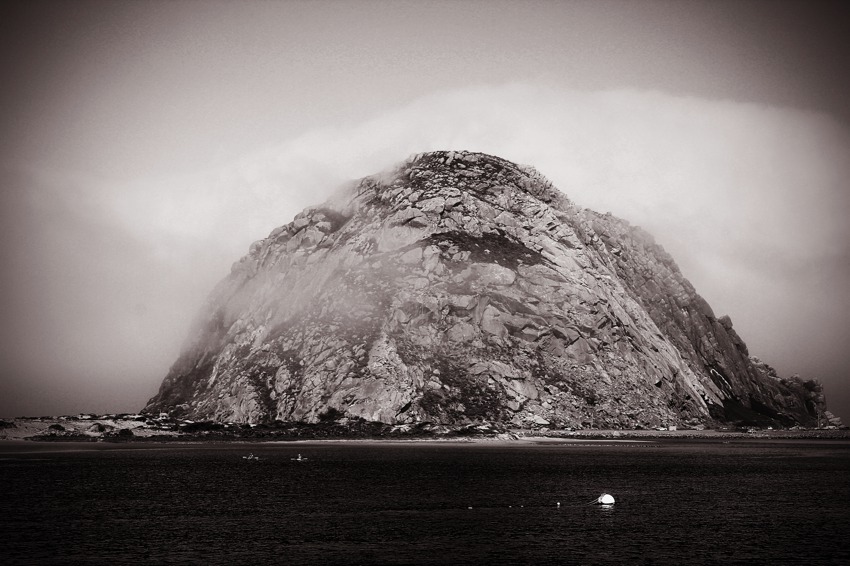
(421, 503)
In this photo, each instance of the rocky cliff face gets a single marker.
(462, 288)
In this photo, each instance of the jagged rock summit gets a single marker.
(463, 288)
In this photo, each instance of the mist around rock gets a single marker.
(462, 289)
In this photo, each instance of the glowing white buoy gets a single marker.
(605, 499)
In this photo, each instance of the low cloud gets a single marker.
(749, 200)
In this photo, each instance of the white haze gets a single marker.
(750, 201)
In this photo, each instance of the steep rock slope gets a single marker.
(460, 288)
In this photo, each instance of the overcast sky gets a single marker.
(145, 145)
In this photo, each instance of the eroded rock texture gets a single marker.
(461, 288)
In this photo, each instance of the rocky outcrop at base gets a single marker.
(462, 288)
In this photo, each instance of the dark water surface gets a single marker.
(744, 502)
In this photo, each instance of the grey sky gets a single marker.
(144, 145)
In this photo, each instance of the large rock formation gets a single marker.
(462, 288)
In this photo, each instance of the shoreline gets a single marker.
(525, 438)
(14, 449)
(136, 429)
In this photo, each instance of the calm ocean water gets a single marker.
(743, 502)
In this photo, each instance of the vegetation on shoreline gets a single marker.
(140, 427)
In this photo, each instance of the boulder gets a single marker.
(460, 287)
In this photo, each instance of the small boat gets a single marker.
(299, 459)
(251, 458)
